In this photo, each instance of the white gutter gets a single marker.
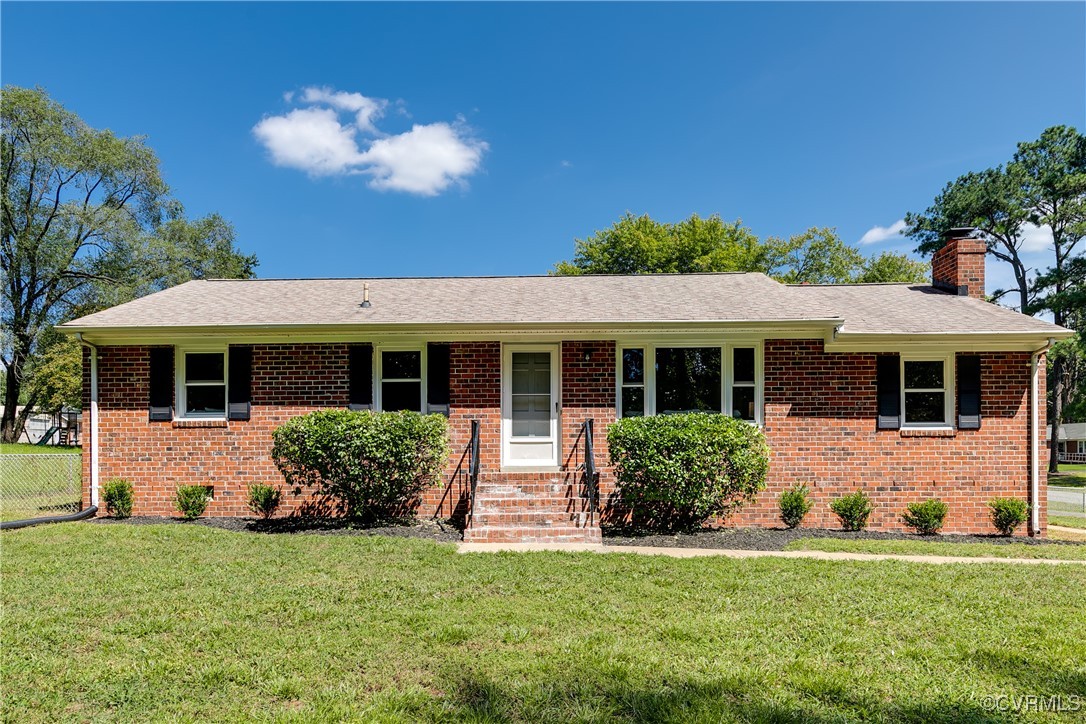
(1034, 441)
(93, 418)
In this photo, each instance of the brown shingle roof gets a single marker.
(607, 300)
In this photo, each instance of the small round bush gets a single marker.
(853, 510)
(794, 505)
(117, 495)
(677, 471)
(191, 500)
(367, 466)
(927, 517)
(264, 499)
(1007, 514)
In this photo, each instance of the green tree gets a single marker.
(816, 256)
(892, 267)
(87, 221)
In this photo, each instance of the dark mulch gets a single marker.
(440, 531)
(776, 539)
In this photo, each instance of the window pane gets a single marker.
(401, 365)
(633, 401)
(205, 399)
(743, 403)
(687, 379)
(923, 375)
(633, 366)
(396, 396)
(925, 407)
(744, 365)
(204, 367)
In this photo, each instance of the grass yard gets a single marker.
(1067, 521)
(188, 622)
(23, 448)
(942, 548)
(1072, 476)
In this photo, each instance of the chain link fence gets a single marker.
(39, 485)
(1067, 501)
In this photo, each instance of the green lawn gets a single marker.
(22, 448)
(1072, 476)
(177, 622)
(1067, 521)
(940, 548)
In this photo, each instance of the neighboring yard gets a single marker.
(188, 622)
(39, 481)
(1072, 476)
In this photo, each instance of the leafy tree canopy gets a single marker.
(87, 222)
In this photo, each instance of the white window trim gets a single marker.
(180, 384)
(949, 391)
(378, 373)
(726, 377)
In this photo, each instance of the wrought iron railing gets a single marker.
(459, 495)
(591, 475)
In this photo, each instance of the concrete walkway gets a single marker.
(701, 552)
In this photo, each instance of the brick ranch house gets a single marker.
(910, 391)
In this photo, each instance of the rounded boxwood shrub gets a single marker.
(794, 504)
(191, 500)
(264, 499)
(853, 510)
(926, 517)
(677, 471)
(117, 495)
(1007, 514)
(364, 465)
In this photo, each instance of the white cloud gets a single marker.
(319, 140)
(309, 139)
(877, 234)
(1036, 238)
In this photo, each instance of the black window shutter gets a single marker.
(969, 392)
(160, 404)
(437, 375)
(240, 385)
(360, 394)
(888, 382)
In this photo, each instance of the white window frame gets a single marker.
(949, 391)
(727, 357)
(181, 385)
(379, 379)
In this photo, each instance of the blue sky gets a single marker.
(482, 139)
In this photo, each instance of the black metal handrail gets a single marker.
(470, 475)
(591, 480)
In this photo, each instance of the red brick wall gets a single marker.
(960, 263)
(820, 424)
(819, 415)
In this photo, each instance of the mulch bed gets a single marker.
(427, 529)
(776, 539)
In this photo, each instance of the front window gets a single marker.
(401, 380)
(204, 384)
(924, 392)
(669, 380)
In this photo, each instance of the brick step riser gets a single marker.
(505, 489)
(521, 535)
(518, 504)
(532, 520)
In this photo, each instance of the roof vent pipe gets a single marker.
(366, 295)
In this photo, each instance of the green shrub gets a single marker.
(1007, 514)
(365, 465)
(853, 510)
(191, 500)
(794, 505)
(117, 495)
(264, 499)
(926, 517)
(677, 471)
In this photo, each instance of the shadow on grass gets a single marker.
(730, 699)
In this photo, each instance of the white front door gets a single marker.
(530, 405)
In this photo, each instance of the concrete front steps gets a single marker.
(515, 507)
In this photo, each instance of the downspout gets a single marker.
(1034, 441)
(93, 418)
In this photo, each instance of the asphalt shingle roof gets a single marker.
(610, 300)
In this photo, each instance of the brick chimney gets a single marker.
(959, 266)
